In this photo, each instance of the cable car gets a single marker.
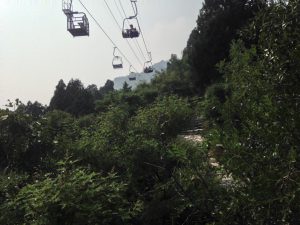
(131, 32)
(117, 61)
(78, 24)
(131, 77)
(148, 67)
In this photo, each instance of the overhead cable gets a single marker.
(110, 39)
(121, 31)
(140, 31)
(143, 37)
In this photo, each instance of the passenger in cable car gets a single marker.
(132, 32)
(148, 69)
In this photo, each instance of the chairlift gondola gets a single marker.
(131, 32)
(132, 76)
(77, 22)
(148, 67)
(117, 61)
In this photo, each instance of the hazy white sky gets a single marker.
(36, 51)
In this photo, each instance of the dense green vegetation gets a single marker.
(100, 156)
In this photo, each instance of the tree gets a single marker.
(217, 25)
(36, 109)
(126, 87)
(58, 99)
(175, 80)
(74, 196)
(260, 125)
(108, 87)
(21, 144)
(73, 98)
(93, 90)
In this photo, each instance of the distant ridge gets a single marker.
(140, 77)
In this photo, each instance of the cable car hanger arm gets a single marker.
(135, 9)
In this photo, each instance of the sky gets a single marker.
(36, 50)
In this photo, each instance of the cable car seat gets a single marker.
(134, 33)
(117, 66)
(130, 33)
